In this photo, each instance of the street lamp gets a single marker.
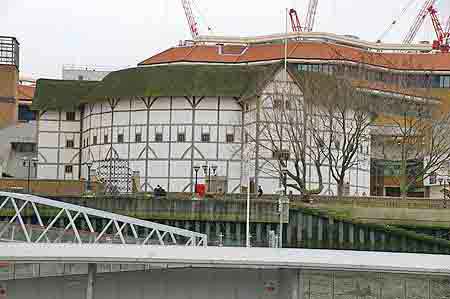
(28, 162)
(207, 172)
(446, 182)
(284, 171)
(196, 169)
(89, 166)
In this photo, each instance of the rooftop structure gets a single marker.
(9, 51)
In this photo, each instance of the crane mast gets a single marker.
(295, 22)
(193, 27)
(418, 22)
(311, 15)
(442, 42)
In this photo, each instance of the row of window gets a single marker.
(181, 137)
(356, 72)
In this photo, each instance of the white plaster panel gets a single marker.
(69, 156)
(50, 155)
(161, 150)
(51, 126)
(159, 117)
(95, 121)
(136, 149)
(70, 126)
(139, 117)
(268, 185)
(230, 117)
(226, 151)
(208, 150)
(46, 171)
(106, 119)
(138, 104)
(123, 104)
(229, 103)
(161, 103)
(208, 103)
(234, 170)
(121, 118)
(180, 168)
(48, 140)
(178, 149)
(178, 185)
(70, 136)
(158, 168)
(122, 150)
(182, 117)
(180, 103)
(206, 117)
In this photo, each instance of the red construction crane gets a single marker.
(310, 18)
(295, 22)
(418, 22)
(193, 27)
(443, 37)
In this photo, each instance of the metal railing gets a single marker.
(9, 51)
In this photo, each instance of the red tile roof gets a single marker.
(25, 92)
(306, 51)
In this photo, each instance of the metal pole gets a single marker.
(248, 207)
(281, 226)
(29, 174)
(89, 179)
(209, 179)
(285, 183)
(196, 181)
(92, 270)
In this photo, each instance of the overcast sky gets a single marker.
(122, 33)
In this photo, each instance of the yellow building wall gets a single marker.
(9, 75)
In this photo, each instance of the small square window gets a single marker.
(181, 137)
(80, 78)
(68, 169)
(105, 139)
(138, 137)
(70, 143)
(70, 116)
(205, 137)
(120, 138)
(158, 137)
(94, 140)
(230, 138)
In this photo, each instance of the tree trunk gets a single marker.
(340, 189)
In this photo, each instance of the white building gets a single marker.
(87, 73)
(162, 121)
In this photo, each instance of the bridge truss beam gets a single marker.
(78, 224)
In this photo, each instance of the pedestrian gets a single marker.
(260, 191)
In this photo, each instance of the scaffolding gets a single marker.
(9, 51)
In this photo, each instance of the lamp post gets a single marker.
(207, 172)
(196, 169)
(28, 162)
(446, 182)
(281, 202)
(89, 166)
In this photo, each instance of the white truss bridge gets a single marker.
(59, 222)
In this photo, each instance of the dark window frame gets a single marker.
(120, 138)
(68, 169)
(159, 137)
(181, 137)
(229, 138)
(71, 116)
(206, 137)
(70, 143)
(138, 138)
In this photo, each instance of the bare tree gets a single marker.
(285, 139)
(340, 123)
(419, 133)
